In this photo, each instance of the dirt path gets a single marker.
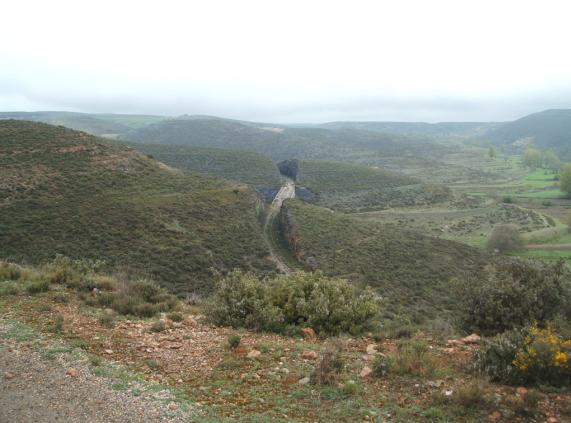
(63, 389)
(286, 191)
(549, 247)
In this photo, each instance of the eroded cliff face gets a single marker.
(289, 232)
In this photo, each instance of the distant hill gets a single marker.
(242, 166)
(443, 129)
(354, 187)
(280, 142)
(411, 271)
(64, 191)
(95, 124)
(547, 129)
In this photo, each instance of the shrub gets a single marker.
(9, 271)
(141, 298)
(514, 294)
(175, 316)
(10, 288)
(528, 355)
(329, 367)
(73, 273)
(234, 341)
(472, 394)
(158, 326)
(107, 320)
(329, 306)
(505, 239)
(59, 297)
(57, 326)
(410, 358)
(350, 388)
(507, 200)
(35, 287)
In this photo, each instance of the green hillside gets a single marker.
(96, 124)
(280, 142)
(547, 129)
(410, 270)
(63, 191)
(242, 166)
(353, 187)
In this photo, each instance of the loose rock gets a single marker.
(366, 371)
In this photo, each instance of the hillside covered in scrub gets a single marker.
(549, 129)
(350, 186)
(108, 124)
(412, 272)
(282, 142)
(241, 166)
(67, 192)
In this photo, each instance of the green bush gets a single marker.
(513, 294)
(234, 341)
(329, 306)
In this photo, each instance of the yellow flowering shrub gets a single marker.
(531, 355)
(542, 349)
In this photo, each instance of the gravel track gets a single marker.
(37, 390)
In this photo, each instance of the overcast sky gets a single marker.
(288, 61)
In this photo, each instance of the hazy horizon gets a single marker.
(411, 61)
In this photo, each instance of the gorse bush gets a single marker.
(529, 355)
(514, 294)
(329, 306)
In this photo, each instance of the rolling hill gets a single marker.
(354, 187)
(241, 166)
(410, 270)
(442, 129)
(64, 191)
(95, 124)
(280, 142)
(547, 129)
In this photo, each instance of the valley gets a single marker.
(262, 244)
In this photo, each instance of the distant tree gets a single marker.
(492, 153)
(565, 179)
(505, 239)
(551, 161)
(532, 157)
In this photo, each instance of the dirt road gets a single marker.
(286, 191)
(64, 389)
